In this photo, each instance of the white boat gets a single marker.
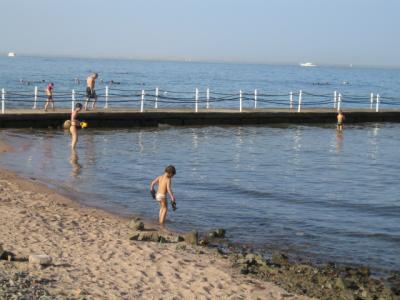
(308, 64)
(11, 54)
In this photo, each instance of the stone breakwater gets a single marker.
(132, 118)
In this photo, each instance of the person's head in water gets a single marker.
(78, 106)
(171, 171)
(95, 75)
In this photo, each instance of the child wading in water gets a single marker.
(164, 186)
(340, 119)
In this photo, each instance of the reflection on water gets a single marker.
(76, 166)
(312, 190)
(339, 141)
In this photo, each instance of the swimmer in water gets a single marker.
(73, 129)
(340, 118)
(164, 183)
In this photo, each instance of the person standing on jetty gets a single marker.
(90, 92)
(164, 186)
(340, 118)
(49, 94)
(73, 129)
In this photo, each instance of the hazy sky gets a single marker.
(363, 32)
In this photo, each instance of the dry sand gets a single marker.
(94, 258)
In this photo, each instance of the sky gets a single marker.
(334, 32)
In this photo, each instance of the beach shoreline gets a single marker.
(93, 256)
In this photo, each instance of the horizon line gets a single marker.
(200, 60)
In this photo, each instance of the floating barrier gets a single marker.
(158, 98)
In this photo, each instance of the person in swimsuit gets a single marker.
(164, 183)
(74, 125)
(90, 92)
(340, 118)
(49, 94)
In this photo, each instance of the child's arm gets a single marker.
(153, 183)
(169, 190)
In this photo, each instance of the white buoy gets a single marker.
(334, 99)
(106, 105)
(291, 100)
(339, 103)
(300, 98)
(208, 98)
(372, 100)
(156, 102)
(196, 105)
(255, 98)
(3, 98)
(378, 100)
(73, 100)
(240, 100)
(35, 99)
(142, 102)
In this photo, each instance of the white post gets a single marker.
(240, 100)
(255, 98)
(208, 98)
(300, 98)
(377, 102)
(156, 102)
(196, 107)
(73, 100)
(36, 96)
(142, 102)
(339, 103)
(3, 98)
(334, 99)
(106, 105)
(291, 100)
(372, 100)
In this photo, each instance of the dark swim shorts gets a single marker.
(90, 93)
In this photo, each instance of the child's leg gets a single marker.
(94, 102)
(163, 210)
(87, 102)
(74, 134)
(46, 105)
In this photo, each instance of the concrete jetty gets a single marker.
(120, 118)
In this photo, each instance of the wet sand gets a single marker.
(94, 258)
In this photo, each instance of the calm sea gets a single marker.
(19, 75)
(306, 190)
(303, 189)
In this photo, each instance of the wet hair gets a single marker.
(78, 105)
(95, 75)
(170, 170)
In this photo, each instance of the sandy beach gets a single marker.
(93, 257)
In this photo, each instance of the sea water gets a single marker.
(177, 82)
(307, 190)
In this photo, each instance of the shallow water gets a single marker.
(307, 190)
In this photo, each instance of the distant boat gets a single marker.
(11, 54)
(308, 64)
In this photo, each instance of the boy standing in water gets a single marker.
(340, 119)
(74, 125)
(164, 186)
(49, 94)
(90, 92)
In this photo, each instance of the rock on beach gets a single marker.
(40, 259)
